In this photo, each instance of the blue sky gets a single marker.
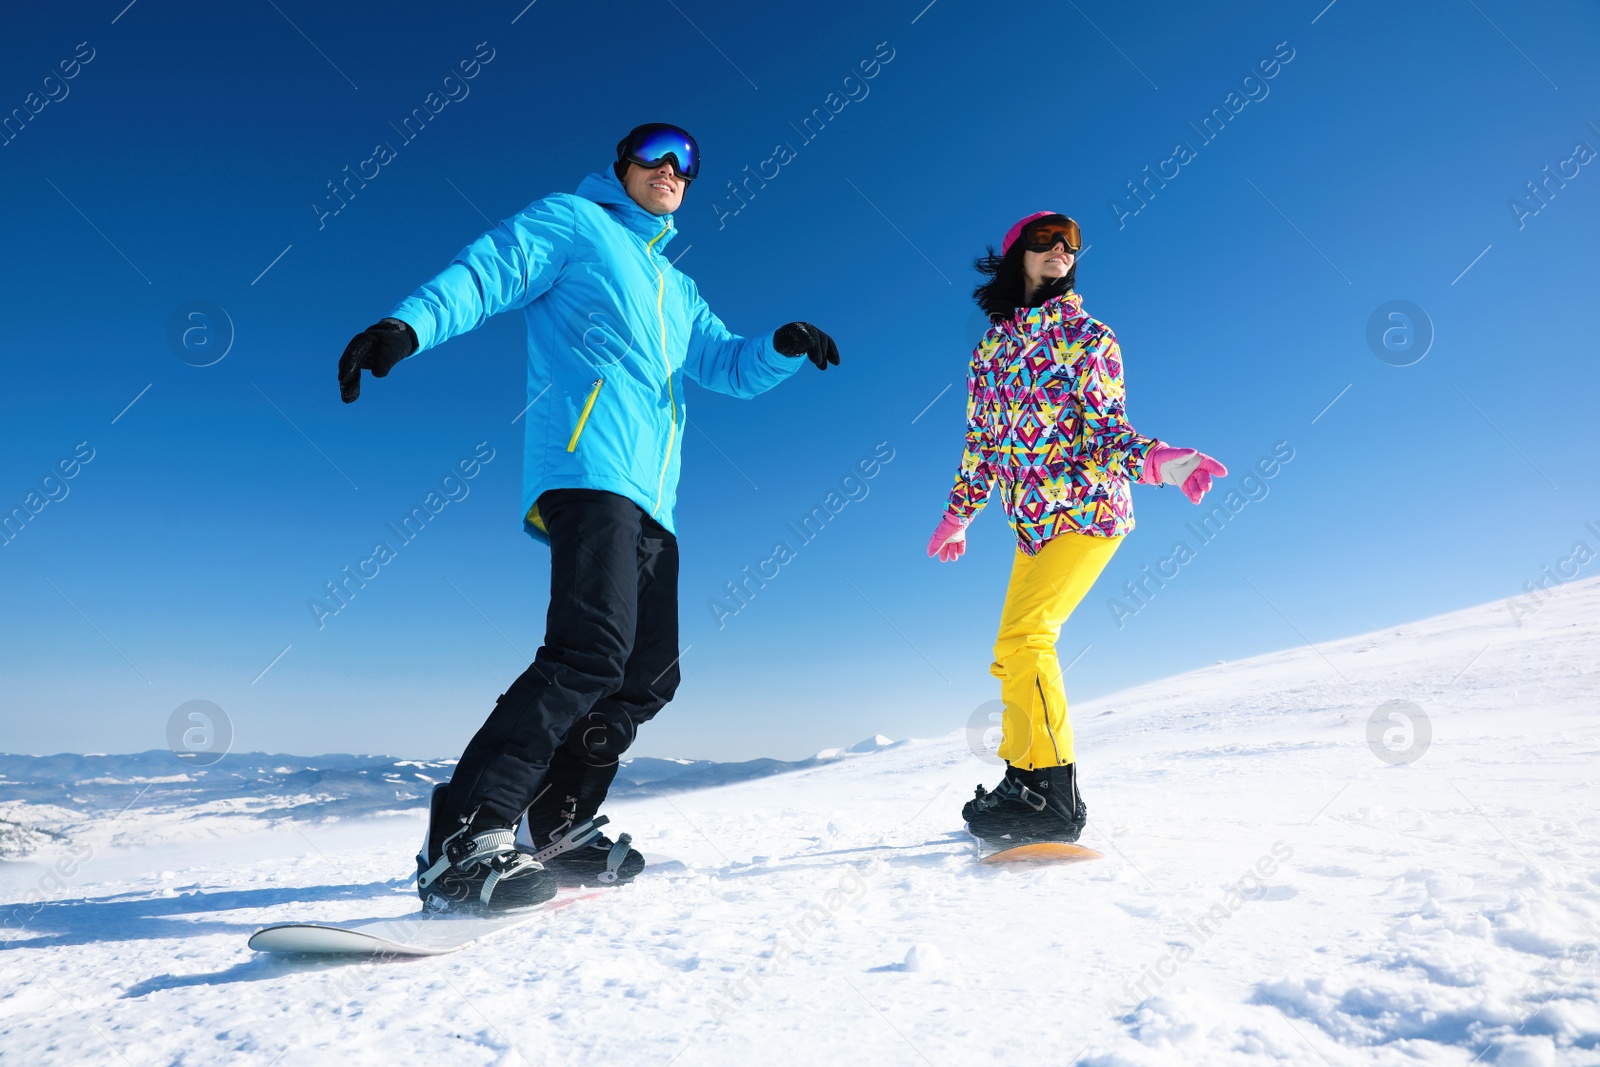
(180, 162)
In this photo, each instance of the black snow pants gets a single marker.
(609, 660)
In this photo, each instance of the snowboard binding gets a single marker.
(561, 828)
(480, 870)
(1028, 806)
(584, 853)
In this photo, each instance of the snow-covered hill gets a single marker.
(1286, 881)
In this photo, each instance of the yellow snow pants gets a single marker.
(1043, 591)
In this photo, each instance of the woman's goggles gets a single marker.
(1043, 235)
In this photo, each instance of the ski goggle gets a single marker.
(653, 144)
(1043, 235)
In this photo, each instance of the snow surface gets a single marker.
(1273, 892)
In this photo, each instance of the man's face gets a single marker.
(659, 190)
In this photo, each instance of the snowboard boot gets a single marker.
(1028, 806)
(563, 831)
(466, 866)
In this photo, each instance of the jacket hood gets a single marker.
(603, 188)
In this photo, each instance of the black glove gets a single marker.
(377, 349)
(804, 339)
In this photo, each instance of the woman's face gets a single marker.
(1040, 266)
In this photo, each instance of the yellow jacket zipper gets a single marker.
(672, 401)
(588, 406)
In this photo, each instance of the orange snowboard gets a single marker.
(1043, 852)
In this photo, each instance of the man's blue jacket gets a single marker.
(613, 328)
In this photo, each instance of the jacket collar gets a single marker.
(604, 189)
(1066, 308)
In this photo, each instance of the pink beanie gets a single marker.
(1016, 231)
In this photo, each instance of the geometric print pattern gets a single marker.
(1047, 425)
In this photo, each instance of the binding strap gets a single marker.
(1011, 789)
(577, 837)
(429, 876)
(1034, 800)
(614, 858)
(499, 870)
(483, 847)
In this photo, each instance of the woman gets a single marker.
(1045, 422)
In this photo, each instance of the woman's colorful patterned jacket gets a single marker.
(1046, 420)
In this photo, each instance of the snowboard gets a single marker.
(1041, 852)
(421, 933)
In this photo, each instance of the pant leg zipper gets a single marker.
(1045, 707)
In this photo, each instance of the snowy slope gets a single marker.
(1273, 892)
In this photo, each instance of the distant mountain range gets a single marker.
(38, 794)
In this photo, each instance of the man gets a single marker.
(613, 329)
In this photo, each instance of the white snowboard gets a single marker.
(422, 933)
(418, 934)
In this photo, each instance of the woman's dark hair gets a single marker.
(1002, 294)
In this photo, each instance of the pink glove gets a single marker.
(1185, 467)
(949, 540)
